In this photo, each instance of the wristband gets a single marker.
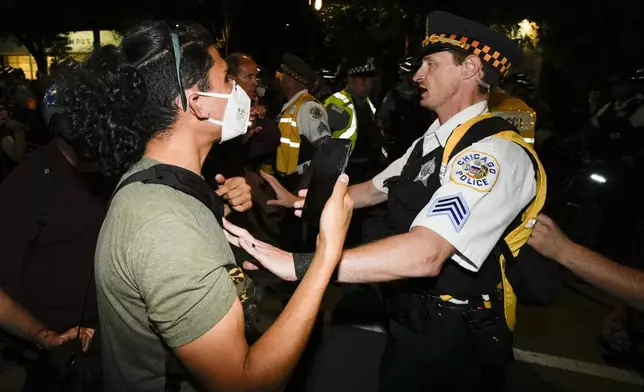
(302, 263)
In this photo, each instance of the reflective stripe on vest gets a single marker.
(288, 152)
(342, 99)
(289, 121)
(289, 142)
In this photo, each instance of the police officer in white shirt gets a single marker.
(446, 214)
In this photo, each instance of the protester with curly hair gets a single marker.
(163, 97)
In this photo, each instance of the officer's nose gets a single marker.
(419, 75)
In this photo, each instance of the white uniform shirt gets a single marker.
(312, 120)
(483, 188)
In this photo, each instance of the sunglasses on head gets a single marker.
(175, 30)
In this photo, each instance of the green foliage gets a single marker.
(364, 26)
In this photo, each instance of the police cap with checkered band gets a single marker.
(298, 69)
(444, 31)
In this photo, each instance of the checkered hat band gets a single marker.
(294, 74)
(484, 52)
(362, 69)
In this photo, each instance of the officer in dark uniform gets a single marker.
(620, 122)
(352, 116)
(401, 117)
(452, 199)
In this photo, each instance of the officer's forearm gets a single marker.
(366, 195)
(419, 253)
(623, 282)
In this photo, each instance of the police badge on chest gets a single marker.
(426, 171)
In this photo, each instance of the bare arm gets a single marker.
(623, 282)
(366, 195)
(221, 358)
(19, 322)
(363, 195)
(419, 253)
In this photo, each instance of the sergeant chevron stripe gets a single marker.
(454, 206)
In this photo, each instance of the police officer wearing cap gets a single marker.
(451, 198)
(352, 116)
(302, 121)
(401, 116)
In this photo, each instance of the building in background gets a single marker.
(81, 43)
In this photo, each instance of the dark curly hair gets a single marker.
(122, 97)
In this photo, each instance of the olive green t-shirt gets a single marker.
(160, 279)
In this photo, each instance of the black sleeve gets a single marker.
(338, 117)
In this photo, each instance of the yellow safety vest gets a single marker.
(343, 99)
(515, 111)
(520, 235)
(288, 152)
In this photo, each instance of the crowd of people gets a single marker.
(133, 237)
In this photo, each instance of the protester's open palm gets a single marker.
(273, 259)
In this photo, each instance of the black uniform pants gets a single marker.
(445, 359)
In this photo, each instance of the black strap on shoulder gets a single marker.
(194, 185)
(486, 128)
(180, 179)
(481, 130)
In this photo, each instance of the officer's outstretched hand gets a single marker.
(334, 224)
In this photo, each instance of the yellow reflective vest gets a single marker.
(343, 100)
(520, 235)
(288, 152)
(515, 111)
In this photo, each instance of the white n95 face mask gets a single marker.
(237, 114)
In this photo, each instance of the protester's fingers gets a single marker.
(234, 241)
(302, 192)
(250, 266)
(243, 207)
(237, 231)
(220, 179)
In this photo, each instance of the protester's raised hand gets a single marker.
(548, 239)
(236, 191)
(284, 197)
(336, 216)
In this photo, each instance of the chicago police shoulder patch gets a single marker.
(476, 170)
(315, 112)
(454, 207)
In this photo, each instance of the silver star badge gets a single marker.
(426, 171)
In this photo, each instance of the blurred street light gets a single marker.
(527, 28)
(318, 5)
